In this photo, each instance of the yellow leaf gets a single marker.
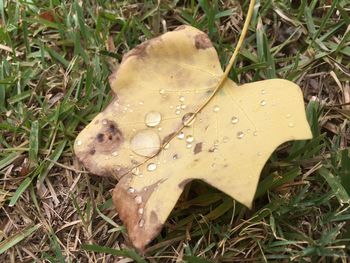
(153, 138)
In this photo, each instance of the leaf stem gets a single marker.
(234, 55)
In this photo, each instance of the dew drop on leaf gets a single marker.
(189, 138)
(188, 119)
(240, 135)
(291, 125)
(263, 102)
(263, 91)
(114, 153)
(234, 120)
(79, 142)
(153, 118)
(140, 211)
(181, 135)
(131, 190)
(181, 98)
(145, 143)
(216, 108)
(138, 199)
(141, 223)
(151, 167)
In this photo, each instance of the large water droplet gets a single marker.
(181, 135)
(263, 102)
(138, 199)
(216, 108)
(240, 135)
(234, 120)
(153, 118)
(188, 119)
(151, 167)
(104, 122)
(145, 143)
(79, 142)
(189, 138)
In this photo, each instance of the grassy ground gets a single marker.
(55, 60)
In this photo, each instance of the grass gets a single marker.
(56, 57)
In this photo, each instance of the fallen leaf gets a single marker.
(155, 140)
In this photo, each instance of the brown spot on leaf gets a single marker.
(154, 218)
(138, 51)
(202, 41)
(127, 209)
(109, 137)
(198, 148)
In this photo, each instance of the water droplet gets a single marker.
(288, 116)
(263, 91)
(104, 122)
(135, 171)
(131, 190)
(225, 139)
(160, 129)
(118, 168)
(79, 142)
(177, 112)
(166, 146)
(115, 153)
(153, 118)
(175, 157)
(141, 223)
(255, 133)
(181, 98)
(188, 145)
(140, 211)
(138, 199)
(181, 135)
(291, 125)
(188, 119)
(141, 103)
(240, 135)
(259, 153)
(183, 106)
(216, 108)
(263, 102)
(161, 91)
(171, 107)
(151, 167)
(189, 138)
(145, 143)
(178, 107)
(234, 120)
